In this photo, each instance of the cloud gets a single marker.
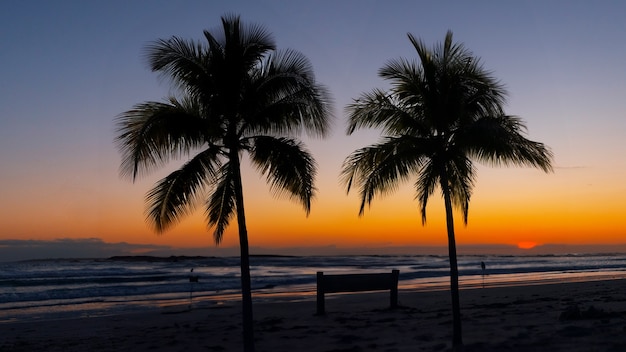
(13, 250)
(72, 248)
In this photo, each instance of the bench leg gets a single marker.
(321, 309)
(394, 288)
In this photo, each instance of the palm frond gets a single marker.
(427, 180)
(428, 62)
(152, 133)
(500, 141)
(379, 168)
(400, 70)
(220, 207)
(244, 44)
(287, 166)
(284, 98)
(380, 110)
(182, 61)
(450, 85)
(460, 174)
(175, 195)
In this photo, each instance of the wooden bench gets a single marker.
(356, 283)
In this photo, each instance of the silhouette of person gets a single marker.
(483, 267)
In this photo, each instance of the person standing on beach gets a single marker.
(484, 269)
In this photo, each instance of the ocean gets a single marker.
(69, 288)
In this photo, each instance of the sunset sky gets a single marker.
(68, 68)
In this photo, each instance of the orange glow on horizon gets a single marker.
(497, 216)
(526, 245)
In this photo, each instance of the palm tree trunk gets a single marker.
(457, 337)
(244, 257)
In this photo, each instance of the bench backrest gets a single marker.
(356, 283)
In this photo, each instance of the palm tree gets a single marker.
(441, 113)
(235, 93)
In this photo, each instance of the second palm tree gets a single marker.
(440, 113)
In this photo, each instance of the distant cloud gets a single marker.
(13, 250)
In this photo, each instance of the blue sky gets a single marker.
(69, 67)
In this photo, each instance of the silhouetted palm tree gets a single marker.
(235, 94)
(440, 113)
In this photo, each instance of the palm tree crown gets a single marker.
(441, 113)
(236, 93)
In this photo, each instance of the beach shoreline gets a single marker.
(104, 306)
(574, 316)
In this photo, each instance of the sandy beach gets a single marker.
(579, 316)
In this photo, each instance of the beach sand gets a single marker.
(579, 316)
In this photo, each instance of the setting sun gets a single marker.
(526, 245)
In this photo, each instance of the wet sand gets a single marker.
(578, 316)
